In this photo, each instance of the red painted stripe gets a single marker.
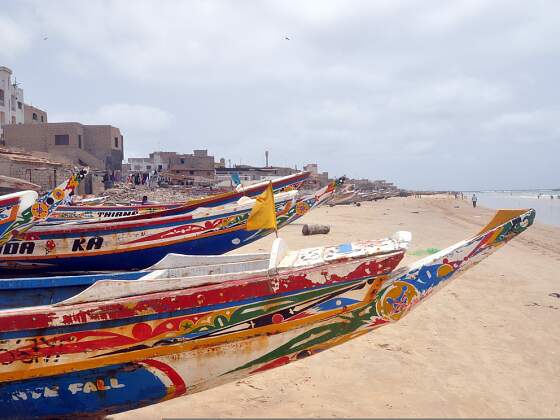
(9, 201)
(113, 225)
(176, 379)
(197, 297)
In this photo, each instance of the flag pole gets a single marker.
(274, 208)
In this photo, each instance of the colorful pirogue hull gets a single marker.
(140, 241)
(21, 211)
(113, 349)
(73, 213)
(11, 206)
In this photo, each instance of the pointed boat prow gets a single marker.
(409, 286)
(501, 217)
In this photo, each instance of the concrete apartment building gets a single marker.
(33, 115)
(11, 100)
(316, 179)
(159, 161)
(13, 109)
(42, 152)
(198, 164)
(97, 146)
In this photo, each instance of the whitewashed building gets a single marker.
(11, 100)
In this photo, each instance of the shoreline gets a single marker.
(486, 346)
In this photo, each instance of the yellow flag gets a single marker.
(263, 214)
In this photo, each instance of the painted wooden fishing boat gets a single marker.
(137, 242)
(348, 197)
(71, 213)
(121, 345)
(21, 211)
(36, 291)
(12, 205)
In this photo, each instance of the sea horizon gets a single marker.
(546, 202)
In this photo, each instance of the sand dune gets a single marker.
(488, 345)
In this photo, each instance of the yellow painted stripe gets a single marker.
(501, 217)
(27, 371)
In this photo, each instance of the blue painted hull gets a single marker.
(139, 259)
(111, 389)
(17, 293)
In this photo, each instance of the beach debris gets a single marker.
(542, 306)
(315, 229)
(555, 295)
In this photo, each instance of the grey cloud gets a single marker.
(430, 94)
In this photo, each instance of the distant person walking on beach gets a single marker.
(474, 200)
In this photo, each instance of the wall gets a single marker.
(105, 142)
(162, 160)
(44, 174)
(31, 111)
(141, 164)
(195, 165)
(96, 149)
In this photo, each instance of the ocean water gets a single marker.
(548, 209)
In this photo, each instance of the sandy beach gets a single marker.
(488, 345)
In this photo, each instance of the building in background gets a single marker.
(140, 164)
(40, 169)
(316, 179)
(11, 100)
(33, 115)
(97, 146)
(197, 164)
(13, 109)
(186, 169)
(254, 173)
(162, 160)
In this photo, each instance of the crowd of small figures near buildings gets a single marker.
(125, 193)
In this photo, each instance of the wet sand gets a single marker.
(488, 345)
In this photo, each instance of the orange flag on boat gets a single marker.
(263, 214)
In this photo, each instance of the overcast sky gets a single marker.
(429, 94)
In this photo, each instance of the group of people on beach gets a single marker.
(460, 195)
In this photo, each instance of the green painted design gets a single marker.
(255, 310)
(424, 252)
(337, 327)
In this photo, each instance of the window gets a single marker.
(137, 167)
(42, 120)
(1, 97)
(182, 160)
(191, 172)
(79, 137)
(35, 116)
(13, 103)
(61, 139)
(116, 142)
(19, 105)
(148, 167)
